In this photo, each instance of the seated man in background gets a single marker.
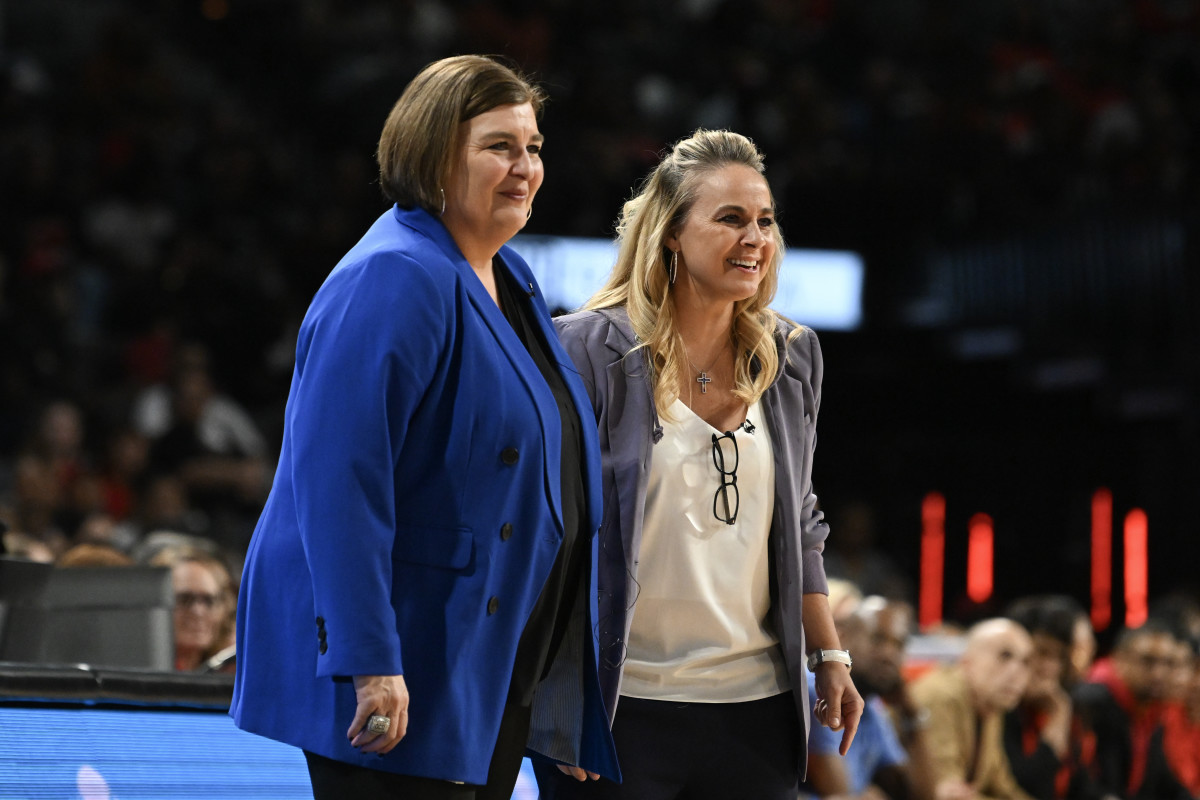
(883, 763)
(1122, 706)
(966, 704)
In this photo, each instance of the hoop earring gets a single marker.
(528, 213)
(673, 268)
(443, 211)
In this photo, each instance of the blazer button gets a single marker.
(323, 648)
(320, 622)
(505, 531)
(509, 455)
(321, 635)
(493, 605)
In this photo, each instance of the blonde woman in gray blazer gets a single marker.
(712, 591)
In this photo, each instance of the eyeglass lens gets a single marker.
(189, 599)
(725, 507)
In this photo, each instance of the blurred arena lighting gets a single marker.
(1102, 516)
(214, 10)
(980, 560)
(819, 288)
(1136, 563)
(933, 555)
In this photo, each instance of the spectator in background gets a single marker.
(890, 625)
(1181, 735)
(210, 443)
(59, 443)
(966, 704)
(162, 512)
(1082, 653)
(205, 603)
(1041, 736)
(93, 554)
(53, 483)
(34, 530)
(165, 505)
(1181, 611)
(890, 758)
(125, 457)
(1122, 707)
(112, 495)
(153, 411)
(844, 597)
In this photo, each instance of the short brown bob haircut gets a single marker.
(420, 137)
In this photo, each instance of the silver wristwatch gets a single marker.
(821, 656)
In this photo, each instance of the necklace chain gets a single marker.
(702, 378)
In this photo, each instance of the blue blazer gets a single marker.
(417, 427)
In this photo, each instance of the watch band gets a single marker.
(821, 656)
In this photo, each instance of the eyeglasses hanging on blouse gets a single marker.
(727, 498)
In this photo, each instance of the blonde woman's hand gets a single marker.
(839, 705)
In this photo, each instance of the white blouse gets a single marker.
(699, 631)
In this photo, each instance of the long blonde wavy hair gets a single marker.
(639, 279)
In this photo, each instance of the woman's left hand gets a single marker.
(839, 705)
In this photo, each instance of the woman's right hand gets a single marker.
(379, 694)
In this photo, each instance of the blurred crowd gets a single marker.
(1016, 706)
(180, 177)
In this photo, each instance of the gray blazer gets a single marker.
(623, 402)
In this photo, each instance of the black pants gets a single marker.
(694, 751)
(337, 780)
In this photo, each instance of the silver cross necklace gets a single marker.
(703, 378)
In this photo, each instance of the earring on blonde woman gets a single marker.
(673, 268)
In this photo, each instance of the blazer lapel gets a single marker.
(570, 376)
(495, 321)
(630, 406)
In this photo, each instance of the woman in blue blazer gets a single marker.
(415, 609)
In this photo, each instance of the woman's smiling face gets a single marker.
(495, 176)
(727, 241)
